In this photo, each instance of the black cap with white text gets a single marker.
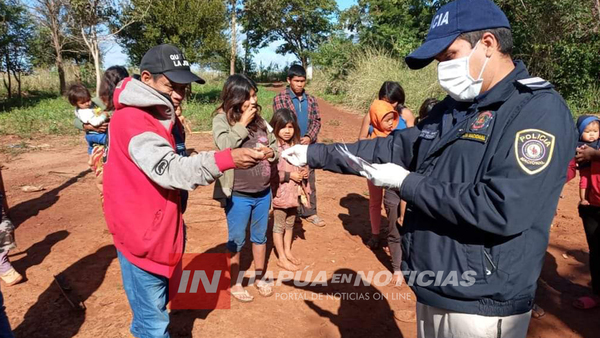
(169, 60)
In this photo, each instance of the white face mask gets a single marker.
(456, 80)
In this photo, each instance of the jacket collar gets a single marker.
(503, 89)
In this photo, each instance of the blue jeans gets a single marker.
(240, 210)
(93, 139)
(5, 331)
(148, 295)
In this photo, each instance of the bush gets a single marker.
(587, 102)
(369, 70)
(333, 61)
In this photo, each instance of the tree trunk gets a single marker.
(4, 81)
(61, 74)
(9, 87)
(233, 38)
(17, 76)
(304, 61)
(96, 56)
(55, 33)
(59, 62)
(246, 56)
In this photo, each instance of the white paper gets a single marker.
(354, 162)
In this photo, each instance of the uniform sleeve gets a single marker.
(155, 156)
(396, 148)
(519, 181)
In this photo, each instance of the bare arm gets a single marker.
(408, 117)
(364, 128)
(585, 154)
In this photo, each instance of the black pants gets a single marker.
(590, 216)
(307, 212)
(391, 203)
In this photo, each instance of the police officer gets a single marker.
(485, 172)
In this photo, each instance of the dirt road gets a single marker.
(62, 231)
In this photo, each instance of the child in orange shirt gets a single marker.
(384, 119)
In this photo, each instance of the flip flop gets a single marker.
(247, 298)
(264, 289)
(586, 302)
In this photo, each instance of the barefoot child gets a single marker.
(245, 193)
(289, 183)
(384, 119)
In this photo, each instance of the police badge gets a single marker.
(533, 149)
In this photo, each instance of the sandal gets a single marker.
(316, 220)
(11, 277)
(264, 289)
(242, 296)
(586, 302)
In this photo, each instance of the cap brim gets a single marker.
(183, 76)
(423, 55)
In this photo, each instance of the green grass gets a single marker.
(39, 113)
(46, 113)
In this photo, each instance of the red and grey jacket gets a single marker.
(142, 175)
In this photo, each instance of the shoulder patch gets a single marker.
(533, 149)
(535, 83)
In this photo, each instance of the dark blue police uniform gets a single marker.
(485, 181)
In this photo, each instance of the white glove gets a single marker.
(387, 175)
(296, 155)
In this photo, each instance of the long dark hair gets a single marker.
(236, 91)
(280, 119)
(391, 92)
(112, 76)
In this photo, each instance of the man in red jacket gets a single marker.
(143, 176)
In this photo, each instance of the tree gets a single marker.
(51, 16)
(398, 26)
(233, 28)
(91, 21)
(195, 26)
(559, 40)
(15, 30)
(302, 24)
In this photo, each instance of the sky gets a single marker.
(114, 54)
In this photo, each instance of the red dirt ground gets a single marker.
(62, 231)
